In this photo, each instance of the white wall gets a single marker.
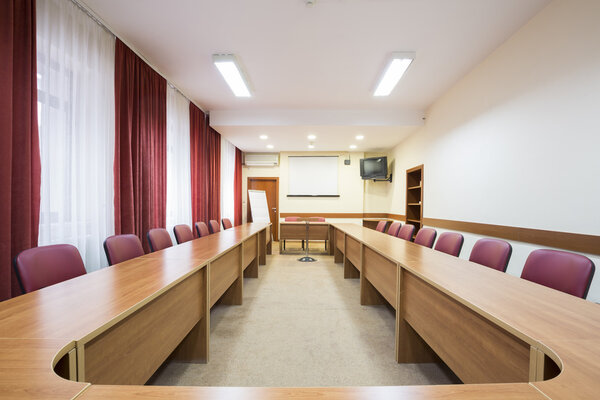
(350, 187)
(516, 142)
(378, 195)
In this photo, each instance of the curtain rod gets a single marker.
(104, 26)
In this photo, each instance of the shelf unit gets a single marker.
(414, 197)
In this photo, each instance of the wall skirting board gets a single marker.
(563, 240)
(344, 215)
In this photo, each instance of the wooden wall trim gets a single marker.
(325, 215)
(563, 240)
(343, 215)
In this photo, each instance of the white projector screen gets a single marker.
(313, 176)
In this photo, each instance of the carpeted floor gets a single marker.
(301, 325)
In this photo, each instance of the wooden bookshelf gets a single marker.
(414, 197)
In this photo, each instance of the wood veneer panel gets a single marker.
(353, 252)
(289, 230)
(129, 352)
(381, 273)
(562, 240)
(339, 240)
(250, 250)
(324, 215)
(262, 247)
(223, 272)
(477, 350)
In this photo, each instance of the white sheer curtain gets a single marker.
(227, 179)
(75, 64)
(179, 181)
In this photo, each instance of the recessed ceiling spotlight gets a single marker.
(360, 137)
(397, 66)
(311, 146)
(312, 137)
(269, 146)
(263, 137)
(352, 146)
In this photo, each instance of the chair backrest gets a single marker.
(292, 219)
(202, 229)
(450, 243)
(119, 248)
(213, 226)
(426, 237)
(316, 219)
(183, 233)
(158, 239)
(406, 232)
(394, 228)
(43, 266)
(568, 272)
(226, 223)
(493, 253)
(381, 226)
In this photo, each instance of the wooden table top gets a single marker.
(37, 326)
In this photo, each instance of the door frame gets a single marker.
(249, 214)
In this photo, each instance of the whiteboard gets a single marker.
(313, 176)
(258, 206)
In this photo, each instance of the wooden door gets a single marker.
(271, 188)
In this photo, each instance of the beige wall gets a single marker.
(378, 195)
(351, 187)
(516, 141)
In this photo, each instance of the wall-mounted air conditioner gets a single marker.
(261, 159)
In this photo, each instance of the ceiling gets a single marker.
(314, 69)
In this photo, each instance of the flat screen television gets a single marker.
(373, 168)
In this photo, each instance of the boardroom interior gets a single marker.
(168, 234)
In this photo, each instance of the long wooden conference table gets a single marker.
(108, 331)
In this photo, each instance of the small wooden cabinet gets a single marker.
(414, 197)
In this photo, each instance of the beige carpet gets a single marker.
(301, 325)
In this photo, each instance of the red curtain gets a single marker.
(140, 145)
(20, 151)
(237, 187)
(205, 161)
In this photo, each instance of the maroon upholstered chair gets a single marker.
(568, 272)
(119, 248)
(426, 237)
(158, 239)
(493, 253)
(394, 228)
(202, 229)
(183, 233)
(213, 226)
(226, 223)
(43, 266)
(450, 243)
(381, 225)
(406, 232)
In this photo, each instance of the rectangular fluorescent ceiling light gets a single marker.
(393, 72)
(228, 67)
